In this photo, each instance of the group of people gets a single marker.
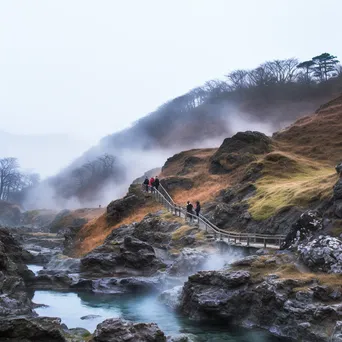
(190, 209)
(152, 183)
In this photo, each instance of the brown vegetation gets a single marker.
(93, 233)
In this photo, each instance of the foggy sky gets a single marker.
(89, 68)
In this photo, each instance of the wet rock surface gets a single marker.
(270, 302)
(117, 330)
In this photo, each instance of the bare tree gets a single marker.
(238, 79)
(283, 71)
(8, 175)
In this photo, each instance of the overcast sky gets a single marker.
(90, 68)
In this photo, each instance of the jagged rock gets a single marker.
(338, 190)
(118, 209)
(322, 254)
(308, 223)
(13, 271)
(239, 150)
(155, 231)
(233, 297)
(337, 334)
(32, 329)
(117, 330)
(132, 256)
(44, 281)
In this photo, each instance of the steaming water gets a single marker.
(70, 307)
(35, 268)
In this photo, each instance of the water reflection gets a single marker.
(70, 307)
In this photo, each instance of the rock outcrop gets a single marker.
(34, 329)
(117, 330)
(130, 256)
(306, 226)
(13, 271)
(239, 150)
(284, 306)
(323, 254)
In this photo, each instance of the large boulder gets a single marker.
(323, 254)
(130, 257)
(117, 330)
(239, 150)
(306, 226)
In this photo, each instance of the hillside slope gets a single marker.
(251, 183)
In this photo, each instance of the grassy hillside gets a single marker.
(294, 168)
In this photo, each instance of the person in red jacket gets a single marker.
(152, 184)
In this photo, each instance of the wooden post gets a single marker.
(264, 243)
(247, 241)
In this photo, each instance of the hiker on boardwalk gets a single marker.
(156, 182)
(189, 208)
(152, 184)
(198, 208)
(146, 183)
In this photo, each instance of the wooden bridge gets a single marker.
(238, 238)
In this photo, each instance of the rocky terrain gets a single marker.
(251, 183)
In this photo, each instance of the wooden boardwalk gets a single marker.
(236, 238)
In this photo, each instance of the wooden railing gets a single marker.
(249, 239)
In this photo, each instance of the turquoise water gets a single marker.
(70, 307)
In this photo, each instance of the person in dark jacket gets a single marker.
(156, 182)
(198, 208)
(189, 208)
(146, 183)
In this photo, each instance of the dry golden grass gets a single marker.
(95, 231)
(286, 269)
(180, 232)
(318, 137)
(290, 180)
